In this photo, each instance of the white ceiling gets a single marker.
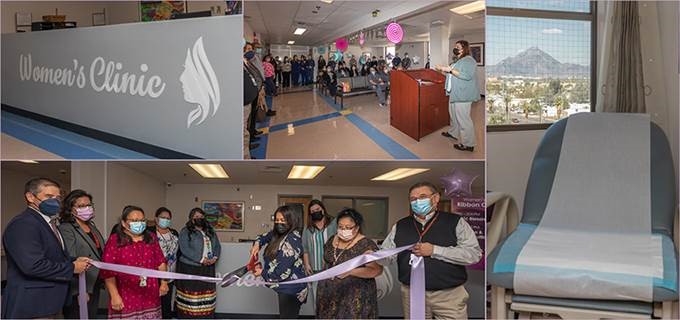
(276, 20)
(339, 173)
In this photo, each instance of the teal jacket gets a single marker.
(463, 88)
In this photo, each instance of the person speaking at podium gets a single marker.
(461, 87)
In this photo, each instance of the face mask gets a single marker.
(281, 228)
(258, 50)
(317, 215)
(345, 235)
(421, 207)
(456, 52)
(85, 214)
(137, 227)
(372, 72)
(201, 222)
(50, 207)
(164, 223)
(249, 55)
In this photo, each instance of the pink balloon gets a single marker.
(341, 44)
(362, 38)
(394, 32)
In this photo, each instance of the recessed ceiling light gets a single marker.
(291, 42)
(469, 7)
(305, 172)
(398, 174)
(28, 161)
(327, 1)
(211, 171)
(299, 31)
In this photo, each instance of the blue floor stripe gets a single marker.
(386, 143)
(297, 123)
(329, 101)
(63, 143)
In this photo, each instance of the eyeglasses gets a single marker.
(422, 196)
(83, 206)
(346, 227)
(137, 220)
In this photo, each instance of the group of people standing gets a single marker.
(258, 84)
(54, 240)
(293, 72)
(445, 240)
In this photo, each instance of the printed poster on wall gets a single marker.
(473, 211)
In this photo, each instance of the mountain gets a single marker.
(535, 62)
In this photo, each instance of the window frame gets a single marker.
(354, 204)
(552, 14)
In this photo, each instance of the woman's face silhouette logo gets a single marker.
(199, 84)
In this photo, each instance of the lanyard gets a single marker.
(421, 234)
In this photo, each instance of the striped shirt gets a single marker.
(313, 241)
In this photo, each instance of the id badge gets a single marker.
(142, 281)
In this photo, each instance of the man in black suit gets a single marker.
(38, 268)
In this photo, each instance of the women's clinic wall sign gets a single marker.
(168, 83)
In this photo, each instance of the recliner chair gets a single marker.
(506, 231)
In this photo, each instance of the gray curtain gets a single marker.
(623, 87)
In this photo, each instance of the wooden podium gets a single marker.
(419, 104)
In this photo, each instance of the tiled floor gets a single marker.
(15, 149)
(362, 131)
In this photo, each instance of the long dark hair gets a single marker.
(191, 226)
(293, 224)
(66, 214)
(326, 217)
(123, 238)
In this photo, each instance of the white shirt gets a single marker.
(48, 219)
(466, 252)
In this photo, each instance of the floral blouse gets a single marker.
(287, 265)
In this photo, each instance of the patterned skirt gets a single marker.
(195, 299)
(152, 313)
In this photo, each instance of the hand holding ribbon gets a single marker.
(417, 287)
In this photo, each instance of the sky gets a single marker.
(568, 41)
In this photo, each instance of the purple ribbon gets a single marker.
(416, 293)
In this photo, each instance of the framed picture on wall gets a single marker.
(477, 52)
(225, 215)
(160, 10)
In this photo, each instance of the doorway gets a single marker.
(299, 203)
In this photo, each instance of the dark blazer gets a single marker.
(79, 244)
(38, 269)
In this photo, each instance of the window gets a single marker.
(373, 210)
(540, 62)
